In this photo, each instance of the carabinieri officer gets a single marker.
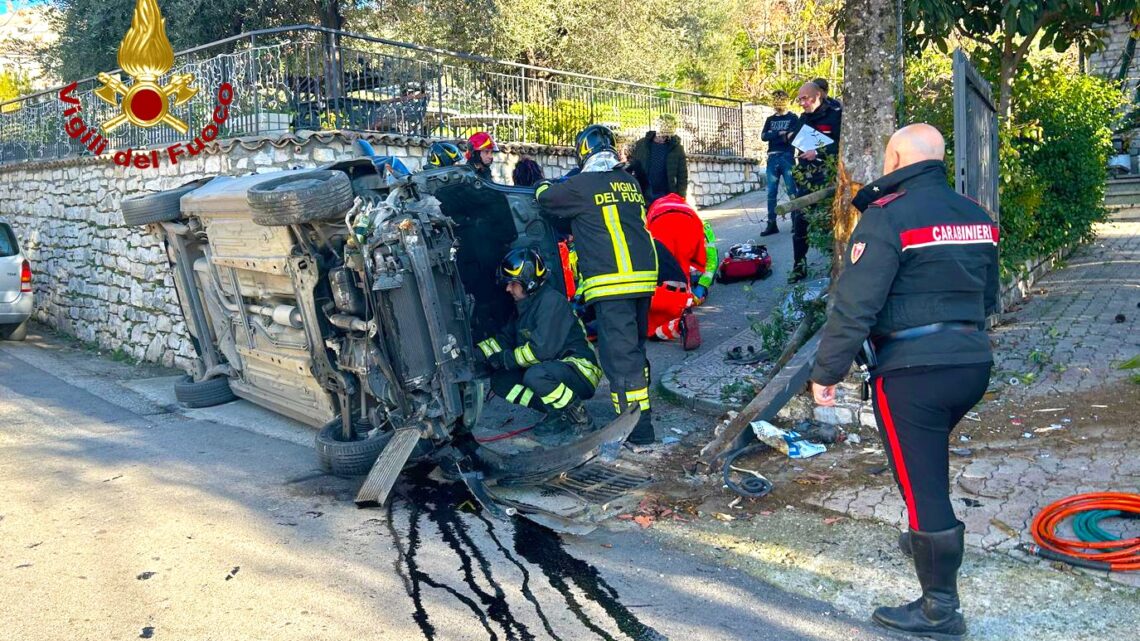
(921, 276)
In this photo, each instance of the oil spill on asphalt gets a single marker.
(438, 504)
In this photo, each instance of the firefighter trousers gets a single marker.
(622, 328)
(551, 385)
(917, 409)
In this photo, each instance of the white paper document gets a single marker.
(810, 138)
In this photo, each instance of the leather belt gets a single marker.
(926, 330)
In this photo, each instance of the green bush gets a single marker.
(556, 124)
(1052, 152)
(1073, 112)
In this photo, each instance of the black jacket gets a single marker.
(606, 210)
(676, 167)
(829, 122)
(546, 330)
(921, 254)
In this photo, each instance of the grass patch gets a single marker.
(1132, 363)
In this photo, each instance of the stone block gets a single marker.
(834, 415)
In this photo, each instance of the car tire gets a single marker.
(207, 393)
(300, 198)
(159, 207)
(349, 458)
(14, 332)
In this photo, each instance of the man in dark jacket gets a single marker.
(813, 165)
(617, 264)
(823, 86)
(543, 359)
(920, 277)
(658, 162)
(777, 133)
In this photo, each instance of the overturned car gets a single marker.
(350, 298)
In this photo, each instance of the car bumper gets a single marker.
(16, 311)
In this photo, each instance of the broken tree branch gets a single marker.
(806, 200)
(784, 383)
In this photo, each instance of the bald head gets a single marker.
(913, 144)
(810, 97)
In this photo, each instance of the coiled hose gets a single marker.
(1096, 549)
(753, 485)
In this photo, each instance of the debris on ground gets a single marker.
(792, 444)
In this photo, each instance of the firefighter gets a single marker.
(921, 276)
(444, 154)
(617, 264)
(481, 150)
(541, 360)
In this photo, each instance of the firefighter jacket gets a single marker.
(606, 210)
(546, 330)
(922, 258)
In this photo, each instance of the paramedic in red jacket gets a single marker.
(677, 225)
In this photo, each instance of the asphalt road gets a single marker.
(123, 518)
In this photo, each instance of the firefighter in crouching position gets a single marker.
(542, 359)
(617, 264)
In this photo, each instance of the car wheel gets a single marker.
(207, 393)
(349, 458)
(16, 332)
(299, 198)
(159, 207)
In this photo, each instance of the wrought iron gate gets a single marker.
(975, 136)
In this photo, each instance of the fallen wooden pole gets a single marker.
(805, 201)
(785, 383)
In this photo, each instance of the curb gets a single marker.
(670, 389)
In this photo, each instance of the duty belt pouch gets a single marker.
(690, 330)
(867, 360)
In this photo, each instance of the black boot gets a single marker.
(904, 544)
(935, 615)
(564, 425)
(643, 433)
(770, 229)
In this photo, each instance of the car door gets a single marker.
(11, 260)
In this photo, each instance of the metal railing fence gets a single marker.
(311, 78)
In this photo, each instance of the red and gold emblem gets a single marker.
(145, 54)
(857, 251)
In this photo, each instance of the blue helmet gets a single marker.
(443, 154)
(594, 139)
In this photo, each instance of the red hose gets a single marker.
(504, 435)
(1116, 556)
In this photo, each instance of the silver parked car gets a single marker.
(15, 287)
(350, 298)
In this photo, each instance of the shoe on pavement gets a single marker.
(770, 229)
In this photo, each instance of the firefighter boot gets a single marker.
(770, 229)
(904, 544)
(564, 424)
(643, 434)
(935, 615)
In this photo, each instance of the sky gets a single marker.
(18, 4)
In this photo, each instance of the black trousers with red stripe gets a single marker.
(917, 409)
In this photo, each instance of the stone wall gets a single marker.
(754, 117)
(109, 284)
(1106, 63)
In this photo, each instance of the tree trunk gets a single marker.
(871, 68)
